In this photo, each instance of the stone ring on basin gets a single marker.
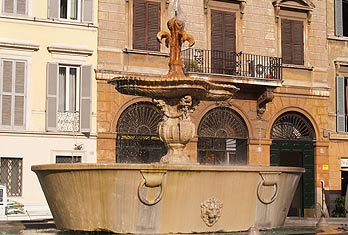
(259, 191)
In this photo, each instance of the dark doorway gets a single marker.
(294, 159)
(293, 145)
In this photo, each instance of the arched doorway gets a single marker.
(137, 140)
(292, 137)
(222, 138)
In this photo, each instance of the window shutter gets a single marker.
(286, 41)
(87, 11)
(297, 40)
(22, 7)
(338, 18)
(53, 9)
(217, 46)
(19, 94)
(139, 28)
(6, 105)
(229, 43)
(230, 31)
(51, 98)
(86, 99)
(216, 30)
(340, 105)
(8, 6)
(153, 25)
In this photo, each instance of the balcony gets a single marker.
(256, 76)
(233, 64)
(68, 121)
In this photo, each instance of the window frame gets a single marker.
(292, 43)
(14, 94)
(84, 113)
(340, 19)
(133, 20)
(66, 101)
(85, 11)
(68, 11)
(341, 104)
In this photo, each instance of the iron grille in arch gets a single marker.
(224, 123)
(292, 126)
(139, 118)
(137, 139)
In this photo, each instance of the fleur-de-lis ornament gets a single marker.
(174, 41)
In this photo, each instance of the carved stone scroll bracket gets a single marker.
(266, 97)
(211, 211)
(276, 12)
(309, 17)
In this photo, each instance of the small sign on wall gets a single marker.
(323, 167)
(344, 162)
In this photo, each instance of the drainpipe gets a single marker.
(322, 198)
(322, 224)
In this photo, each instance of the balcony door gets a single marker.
(223, 42)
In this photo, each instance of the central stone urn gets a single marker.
(176, 94)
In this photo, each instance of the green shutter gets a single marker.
(86, 99)
(51, 96)
(338, 18)
(340, 105)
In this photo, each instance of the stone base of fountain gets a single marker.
(161, 198)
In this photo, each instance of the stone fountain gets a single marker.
(175, 195)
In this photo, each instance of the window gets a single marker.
(15, 7)
(341, 103)
(11, 175)
(68, 98)
(137, 140)
(68, 89)
(68, 159)
(292, 41)
(341, 17)
(146, 25)
(69, 9)
(12, 94)
(72, 10)
(222, 138)
(223, 42)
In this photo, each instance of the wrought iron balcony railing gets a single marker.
(232, 63)
(68, 121)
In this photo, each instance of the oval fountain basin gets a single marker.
(158, 198)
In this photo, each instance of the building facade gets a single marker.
(337, 36)
(287, 57)
(47, 89)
